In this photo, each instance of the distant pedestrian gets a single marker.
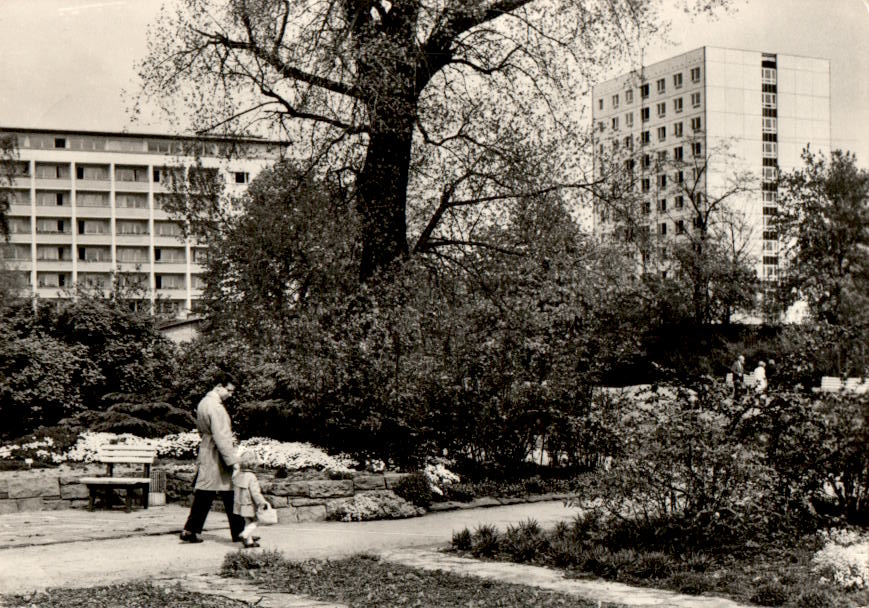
(760, 378)
(248, 496)
(215, 463)
(737, 370)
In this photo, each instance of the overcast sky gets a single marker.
(64, 63)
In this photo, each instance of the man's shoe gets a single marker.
(239, 539)
(189, 537)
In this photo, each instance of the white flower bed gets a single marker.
(846, 555)
(271, 453)
(440, 477)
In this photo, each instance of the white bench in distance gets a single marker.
(111, 455)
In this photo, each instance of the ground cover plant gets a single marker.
(127, 595)
(364, 581)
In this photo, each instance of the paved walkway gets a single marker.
(74, 548)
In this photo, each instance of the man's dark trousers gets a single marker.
(202, 500)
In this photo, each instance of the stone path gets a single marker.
(244, 591)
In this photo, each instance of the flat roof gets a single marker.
(228, 138)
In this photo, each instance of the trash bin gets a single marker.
(157, 491)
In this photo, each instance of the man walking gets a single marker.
(737, 370)
(217, 458)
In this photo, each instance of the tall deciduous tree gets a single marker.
(824, 228)
(397, 97)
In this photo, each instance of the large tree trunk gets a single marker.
(382, 198)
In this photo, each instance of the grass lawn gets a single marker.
(364, 581)
(137, 594)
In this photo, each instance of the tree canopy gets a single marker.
(428, 110)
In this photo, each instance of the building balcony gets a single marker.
(93, 184)
(19, 265)
(52, 238)
(171, 294)
(121, 186)
(19, 210)
(133, 239)
(61, 183)
(21, 182)
(49, 293)
(170, 267)
(20, 238)
(94, 239)
(53, 211)
(93, 212)
(54, 265)
(90, 266)
(161, 240)
(124, 213)
(127, 267)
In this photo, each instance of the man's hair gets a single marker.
(223, 378)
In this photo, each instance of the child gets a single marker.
(248, 496)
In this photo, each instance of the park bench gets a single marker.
(110, 455)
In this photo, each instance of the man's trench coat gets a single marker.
(217, 451)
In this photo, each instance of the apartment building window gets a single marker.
(98, 227)
(662, 133)
(92, 199)
(52, 199)
(132, 227)
(159, 146)
(51, 226)
(155, 176)
(680, 226)
(197, 282)
(243, 177)
(600, 150)
(133, 254)
(662, 205)
(600, 125)
(768, 100)
(662, 181)
(770, 197)
(680, 177)
(629, 165)
(662, 109)
(131, 201)
(52, 171)
(98, 173)
(167, 229)
(662, 85)
(679, 202)
(600, 104)
(200, 255)
(60, 142)
(644, 113)
(769, 174)
(646, 184)
(677, 105)
(769, 125)
(662, 156)
(645, 137)
(677, 80)
(51, 254)
(615, 144)
(94, 254)
(695, 100)
(169, 281)
(695, 123)
(696, 148)
(768, 75)
(647, 161)
(677, 129)
(51, 280)
(615, 126)
(629, 119)
(662, 230)
(770, 235)
(644, 91)
(695, 74)
(770, 149)
(678, 153)
(131, 174)
(629, 96)
(170, 255)
(615, 101)
(629, 142)
(19, 226)
(647, 207)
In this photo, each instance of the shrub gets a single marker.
(460, 492)
(240, 563)
(462, 540)
(815, 598)
(771, 593)
(415, 488)
(367, 506)
(485, 541)
(697, 562)
(523, 542)
(651, 565)
(691, 583)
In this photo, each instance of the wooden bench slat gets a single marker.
(127, 459)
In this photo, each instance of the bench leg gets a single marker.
(91, 492)
(128, 503)
(146, 496)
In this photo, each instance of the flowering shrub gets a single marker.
(271, 453)
(439, 477)
(845, 559)
(294, 455)
(378, 504)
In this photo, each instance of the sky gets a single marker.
(64, 64)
